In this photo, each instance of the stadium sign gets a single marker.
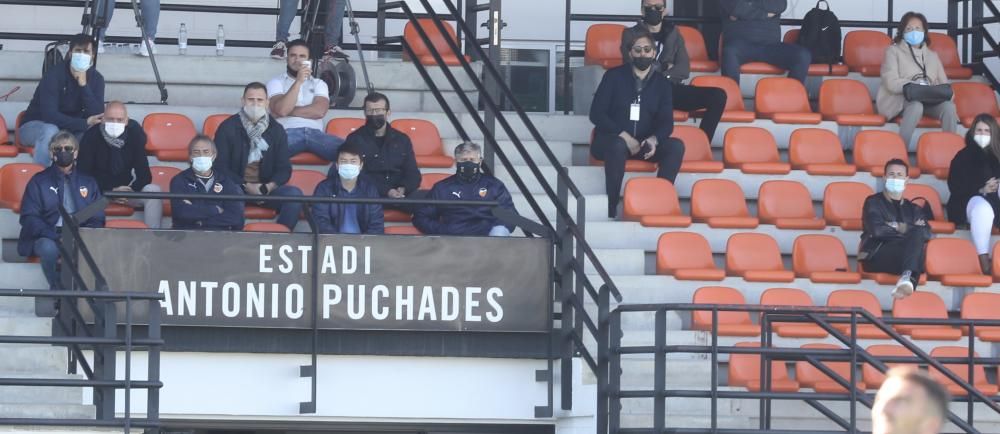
(249, 279)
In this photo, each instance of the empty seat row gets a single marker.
(755, 257)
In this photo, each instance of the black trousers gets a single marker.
(614, 152)
(711, 99)
(897, 256)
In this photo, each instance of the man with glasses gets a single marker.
(751, 32)
(388, 153)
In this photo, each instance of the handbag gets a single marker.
(926, 93)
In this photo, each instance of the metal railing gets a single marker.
(978, 43)
(823, 317)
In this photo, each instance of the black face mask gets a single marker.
(63, 158)
(642, 63)
(375, 122)
(652, 16)
(468, 171)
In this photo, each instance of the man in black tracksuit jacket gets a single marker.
(203, 178)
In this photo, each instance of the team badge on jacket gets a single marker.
(482, 192)
(217, 188)
(84, 192)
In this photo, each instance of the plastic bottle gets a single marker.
(182, 40)
(220, 41)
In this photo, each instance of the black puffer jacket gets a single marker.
(880, 214)
(969, 171)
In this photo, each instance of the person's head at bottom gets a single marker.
(909, 402)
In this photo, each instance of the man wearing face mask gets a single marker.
(253, 147)
(672, 61)
(59, 184)
(895, 232)
(388, 153)
(69, 97)
(470, 184)
(300, 101)
(348, 218)
(633, 118)
(202, 178)
(114, 153)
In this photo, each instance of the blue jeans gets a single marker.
(312, 140)
(791, 57)
(333, 26)
(38, 134)
(48, 253)
(288, 212)
(150, 10)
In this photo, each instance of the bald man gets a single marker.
(909, 402)
(114, 153)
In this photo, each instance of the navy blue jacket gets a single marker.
(233, 144)
(328, 215)
(204, 213)
(752, 23)
(610, 110)
(40, 205)
(60, 100)
(463, 220)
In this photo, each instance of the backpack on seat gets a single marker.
(820, 34)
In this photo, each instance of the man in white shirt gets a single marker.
(300, 101)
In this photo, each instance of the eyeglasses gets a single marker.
(64, 148)
(644, 49)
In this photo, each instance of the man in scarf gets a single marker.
(114, 153)
(253, 149)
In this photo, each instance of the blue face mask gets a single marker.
(914, 37)
(895, 185)
(348, 171)
(80, 62)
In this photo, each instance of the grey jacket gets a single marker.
(673, 61)
(898, 69)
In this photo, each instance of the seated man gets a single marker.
(471, 184)
(253, 148)
(751, 32)
(114, 153)
(300, 102)
(69, 97)
(348, 218)
(201, 178)
(895, 232)
(390, 162)
(59, 184)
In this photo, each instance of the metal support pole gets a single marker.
(495, 24)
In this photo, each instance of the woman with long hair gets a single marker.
(974, 179)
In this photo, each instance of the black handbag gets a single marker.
(926, 93)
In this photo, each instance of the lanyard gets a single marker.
(922, 66)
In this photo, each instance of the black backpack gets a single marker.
(820, 34)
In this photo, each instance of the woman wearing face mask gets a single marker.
(348, 218)
(911, 61)
(974, 178)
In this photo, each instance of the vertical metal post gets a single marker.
(311, 370)
(614, 373)
(715, 371)
(380, 22)
(106, 363)
(153, 363)
(765, 366)
(660, 372)
(471, 17)
(854, 365)
(603, 342)
(566, 55)
(889, 18)
(977, 36)
(972, 371)
(564, 251)
(495, 23)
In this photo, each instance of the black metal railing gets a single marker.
(825, 318)
(978, 44)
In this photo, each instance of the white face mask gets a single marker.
(983, 140)
(255, 112)
(114, 129)
(201, 164)
(895, 185)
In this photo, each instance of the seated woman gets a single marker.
(911, 60)
(974, 178)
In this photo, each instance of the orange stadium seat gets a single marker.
(954, 262)
(972, 99)
(308, 158)
(343, 127)
(961, 370)
(982, 305)
(7, 148)
(721, 203)
(810, 376)
(402, 230)
(118, 210)
(212, 123)
(697, 51)
(935, 150)
(686, 256)
(755, 67)
(744, 371)
(822, 259)
(735, 110)
(259, 213)
(940, 224)
(427, 180)
(168, 135)
(603, 45)
(872, 377)
(427, 144)
(947, 51)
(864, 51)
(653, 202)
(396, 216)
(848, 102)
(783, 100)
(755, 257)
(873, 148)
(818, 152)
(422, 52)
(843, 203)
(884, 278)
(14, 178)
(697, 150)
(161, 177)
(125, 224)
(787, 205)
(17, 135)
(306, 180)
(266, 227)
(753, 150)
(630, 165)
(792, 297)
(864, 300)
(817, 69)
(731, 323)
(924, 305)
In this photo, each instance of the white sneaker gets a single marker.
(142, 48)
(100, 47)
(904, 286)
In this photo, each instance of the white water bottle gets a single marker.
(182, 40)
(220, 41)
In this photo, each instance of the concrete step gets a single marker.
(41, 395)
(596, 207)
(24, 324)
(32, 359)
(684, 421)
(58, 430)
(18, 276)
(619, 261)
(47, 411)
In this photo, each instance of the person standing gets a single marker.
(332, 29)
